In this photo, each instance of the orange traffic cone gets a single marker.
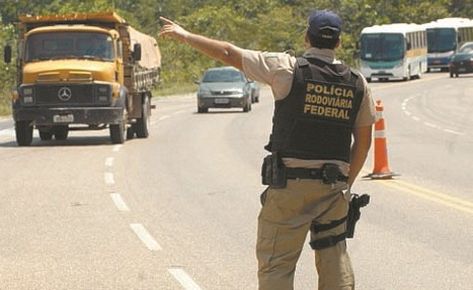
(381, 167)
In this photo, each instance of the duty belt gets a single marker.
(310, 173)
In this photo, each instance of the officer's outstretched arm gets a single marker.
(220, 50)
(359, 150)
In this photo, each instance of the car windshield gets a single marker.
(467, 48)
(441, 40)
(63, 45)
(382, 47)
(223, 76)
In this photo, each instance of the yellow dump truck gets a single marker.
(86, 71)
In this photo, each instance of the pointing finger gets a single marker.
(165, 20)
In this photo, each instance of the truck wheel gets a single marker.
(61, 132)
(130, 132)
(24, 133)
(45, 136)
(118, 131)
(144, 123)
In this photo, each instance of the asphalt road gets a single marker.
(178, 210)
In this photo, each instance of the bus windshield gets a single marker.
(441, 39)
(63, 45)
(382, 46)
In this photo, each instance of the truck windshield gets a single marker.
(64, 45)
(382, 47)
(441, 40)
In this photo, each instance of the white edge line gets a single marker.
(184, 279)
(119, 202)
(109, 178)
(145, 237)
(163, 118)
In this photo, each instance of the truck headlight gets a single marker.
(27, 95)
(103, 93)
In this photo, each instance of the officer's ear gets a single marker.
(306, 40)
(339, 43)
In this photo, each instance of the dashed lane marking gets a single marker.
(109, 179)
(145, 237)
(184, 279)
(109, 161)
(119, 202)
(117, 148)
(404, 107)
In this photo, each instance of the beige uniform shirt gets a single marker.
(277, 70)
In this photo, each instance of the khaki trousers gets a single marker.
(283, 224)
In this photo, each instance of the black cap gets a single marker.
(324, 24)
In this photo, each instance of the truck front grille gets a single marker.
(65, 95)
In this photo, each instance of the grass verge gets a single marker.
(174, 89)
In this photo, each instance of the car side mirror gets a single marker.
(7, 54)
(137, 52)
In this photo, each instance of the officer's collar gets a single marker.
(326, 55)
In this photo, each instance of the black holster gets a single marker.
(273, 171)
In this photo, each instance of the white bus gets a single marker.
(393, 51)
(444, 38)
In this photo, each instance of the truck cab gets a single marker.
(83, 72)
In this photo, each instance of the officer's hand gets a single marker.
(171, 29)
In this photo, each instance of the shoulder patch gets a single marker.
(271, 55)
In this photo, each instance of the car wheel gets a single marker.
(246, 108)
(368, 80)
(202, 110)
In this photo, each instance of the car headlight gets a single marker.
(203, 93)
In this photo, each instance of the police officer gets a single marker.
(320, 105)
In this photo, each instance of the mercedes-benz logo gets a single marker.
(64, 94)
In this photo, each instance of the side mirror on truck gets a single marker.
(137, 52)
(7, 54)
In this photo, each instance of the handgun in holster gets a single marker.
(356, 202)
(273, 171)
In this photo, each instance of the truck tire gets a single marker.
(118, 131)
(61, 132)
(130, 132)
(24, 133)
(143, 124)
(45, 135)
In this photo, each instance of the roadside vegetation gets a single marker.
(273, 25)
